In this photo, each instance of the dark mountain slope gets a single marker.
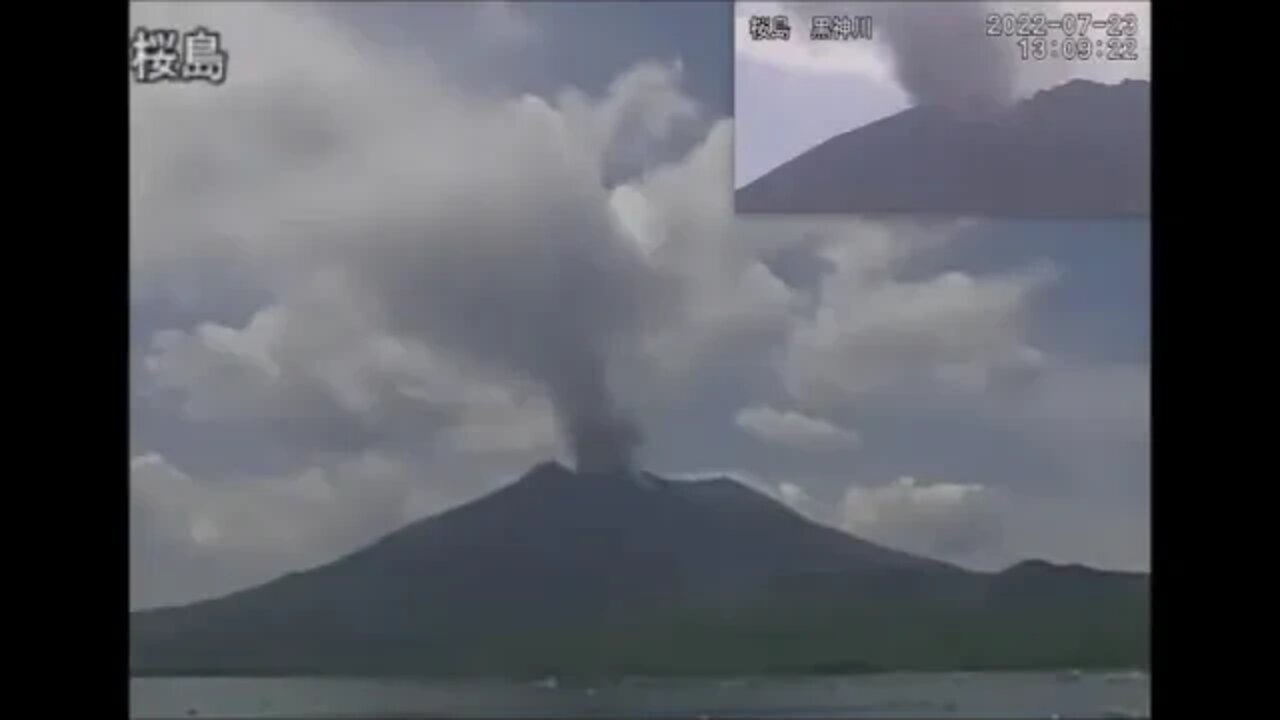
(568, 572)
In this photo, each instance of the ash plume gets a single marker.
(942, 56)
(551, 297)
(603, 439)
(514, 259)
(574, 364)
(940, 52)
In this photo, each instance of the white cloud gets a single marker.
(496, 420)
(875, 332)
(681, 215)
(799, 500)
(739, 475)
(793, 429)
(793, 494)
(639, 114)
(254, 528)
(315, 361)
(320, 505)
(948, 520)
(872, 328)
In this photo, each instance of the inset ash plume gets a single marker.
(942, 55)
(940, 52)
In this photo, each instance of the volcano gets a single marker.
(630, 573)
(1078, 150)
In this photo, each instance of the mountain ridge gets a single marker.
(580, 572)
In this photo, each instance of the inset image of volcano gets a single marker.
(933, 115)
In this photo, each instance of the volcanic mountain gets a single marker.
(1081, 149)
(577, 573)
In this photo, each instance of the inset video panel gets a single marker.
(1026, 109)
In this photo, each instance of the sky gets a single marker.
(790, 96)
(404, 252)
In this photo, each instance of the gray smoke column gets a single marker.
(493, 241)
(596, 303)
(541, 288)
(943, 56)
(603, 438)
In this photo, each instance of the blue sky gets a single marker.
(301, 385)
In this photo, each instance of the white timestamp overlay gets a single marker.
(1083, 36)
